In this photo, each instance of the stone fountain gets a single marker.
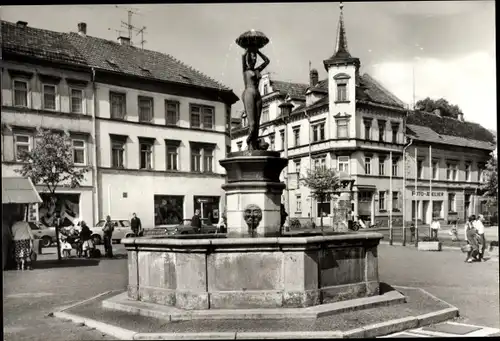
(253, 266)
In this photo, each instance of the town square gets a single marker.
(249, 171)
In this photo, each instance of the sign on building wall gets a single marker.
(426, 194)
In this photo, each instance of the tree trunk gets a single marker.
(321, 218)
(58, 223)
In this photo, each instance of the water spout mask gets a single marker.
(252, 216)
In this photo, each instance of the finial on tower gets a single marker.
(341, 6)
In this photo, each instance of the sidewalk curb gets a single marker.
(373, 330)
(443, 247)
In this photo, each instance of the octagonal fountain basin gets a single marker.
(221, 272)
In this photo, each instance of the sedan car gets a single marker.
(47, 235)
(186, 228)
(122, 230)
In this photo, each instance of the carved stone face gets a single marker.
(252, 216)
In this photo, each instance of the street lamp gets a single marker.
(285, 111)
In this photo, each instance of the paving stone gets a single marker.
(454, 329)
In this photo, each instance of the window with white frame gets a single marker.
(202, 159)
(342, 91)
(239, 145)
(381, 130)
(146, 154)
(318, 131)
(296, 136)
(265, 115)
(395, 167)
(468, 167)
(282, 139)
(451, 171)
(79, 152)
(145, 109)
(117, 153)
(171, 112)
(343, 164)
(320, 162)
(49, 96)
(381, 165)
(76, 101)
(297, 166)
(22, 146)
(420, 169)
(395, 130)
(368, 127)
(272, 141)
(435, 170)
(118, 105)
(342, 131)
(298, 200)
(172, 148)
(381, 201)
(395, 202)
(368, 165)
(202, 117)
(20, 93)
(452, 204)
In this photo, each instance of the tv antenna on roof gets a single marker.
(118, 32)
(142, 31)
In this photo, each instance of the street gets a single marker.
(29, 296)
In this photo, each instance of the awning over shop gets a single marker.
(18, 190)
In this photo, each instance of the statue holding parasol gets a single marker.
(252, 41)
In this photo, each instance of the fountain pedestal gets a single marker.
(253, 193)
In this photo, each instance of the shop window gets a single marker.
(323, 209)
(209, 208)
(169, 209)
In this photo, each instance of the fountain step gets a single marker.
(122, 302)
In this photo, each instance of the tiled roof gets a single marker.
(102, 54)
(373, 91)
(430, 127)
(38, 43)
(112, 56)
(295, 90)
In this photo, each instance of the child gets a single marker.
(65, 247)
(454, 232)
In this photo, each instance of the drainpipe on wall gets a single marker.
(406, 146)
(95, 181)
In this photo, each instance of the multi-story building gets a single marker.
(47, 84)
(159, 128)
(350, 122)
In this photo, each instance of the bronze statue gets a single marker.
(252, 41)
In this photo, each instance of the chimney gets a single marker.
(21, 24)
(460, 117)
(124, 40)
(437, 112)
(313, 77)
(82, 29)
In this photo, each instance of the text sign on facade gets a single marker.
(426, 194)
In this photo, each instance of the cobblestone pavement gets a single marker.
(30, 295)
(448, 329)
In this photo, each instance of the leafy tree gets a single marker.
(322, 182)
(490, 185)
(447, 109)
(50, 163)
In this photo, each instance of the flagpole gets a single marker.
(430, 187)
(416, 198)
(391, 236)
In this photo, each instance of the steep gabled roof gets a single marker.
(430, 127)
(39, 43)
(112, 56)
(295, 90)
(373, 91)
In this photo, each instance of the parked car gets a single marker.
(186, 228)
(122, 230)
(47, 235)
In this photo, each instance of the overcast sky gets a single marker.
(451, 45)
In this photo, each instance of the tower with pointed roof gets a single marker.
(343, 75)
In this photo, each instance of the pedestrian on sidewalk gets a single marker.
(196, 221)
(479, 226)
(108, 237)
(23, 243)
(86, 239)
(412, 232)
(472, 240)
(136, 225)
(435, 227)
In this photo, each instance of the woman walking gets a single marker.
(23, 243)
(85, 236)
(472, 240)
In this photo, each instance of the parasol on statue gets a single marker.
(251, 39)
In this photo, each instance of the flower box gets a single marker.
(429, 246)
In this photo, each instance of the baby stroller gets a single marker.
(70, 240)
